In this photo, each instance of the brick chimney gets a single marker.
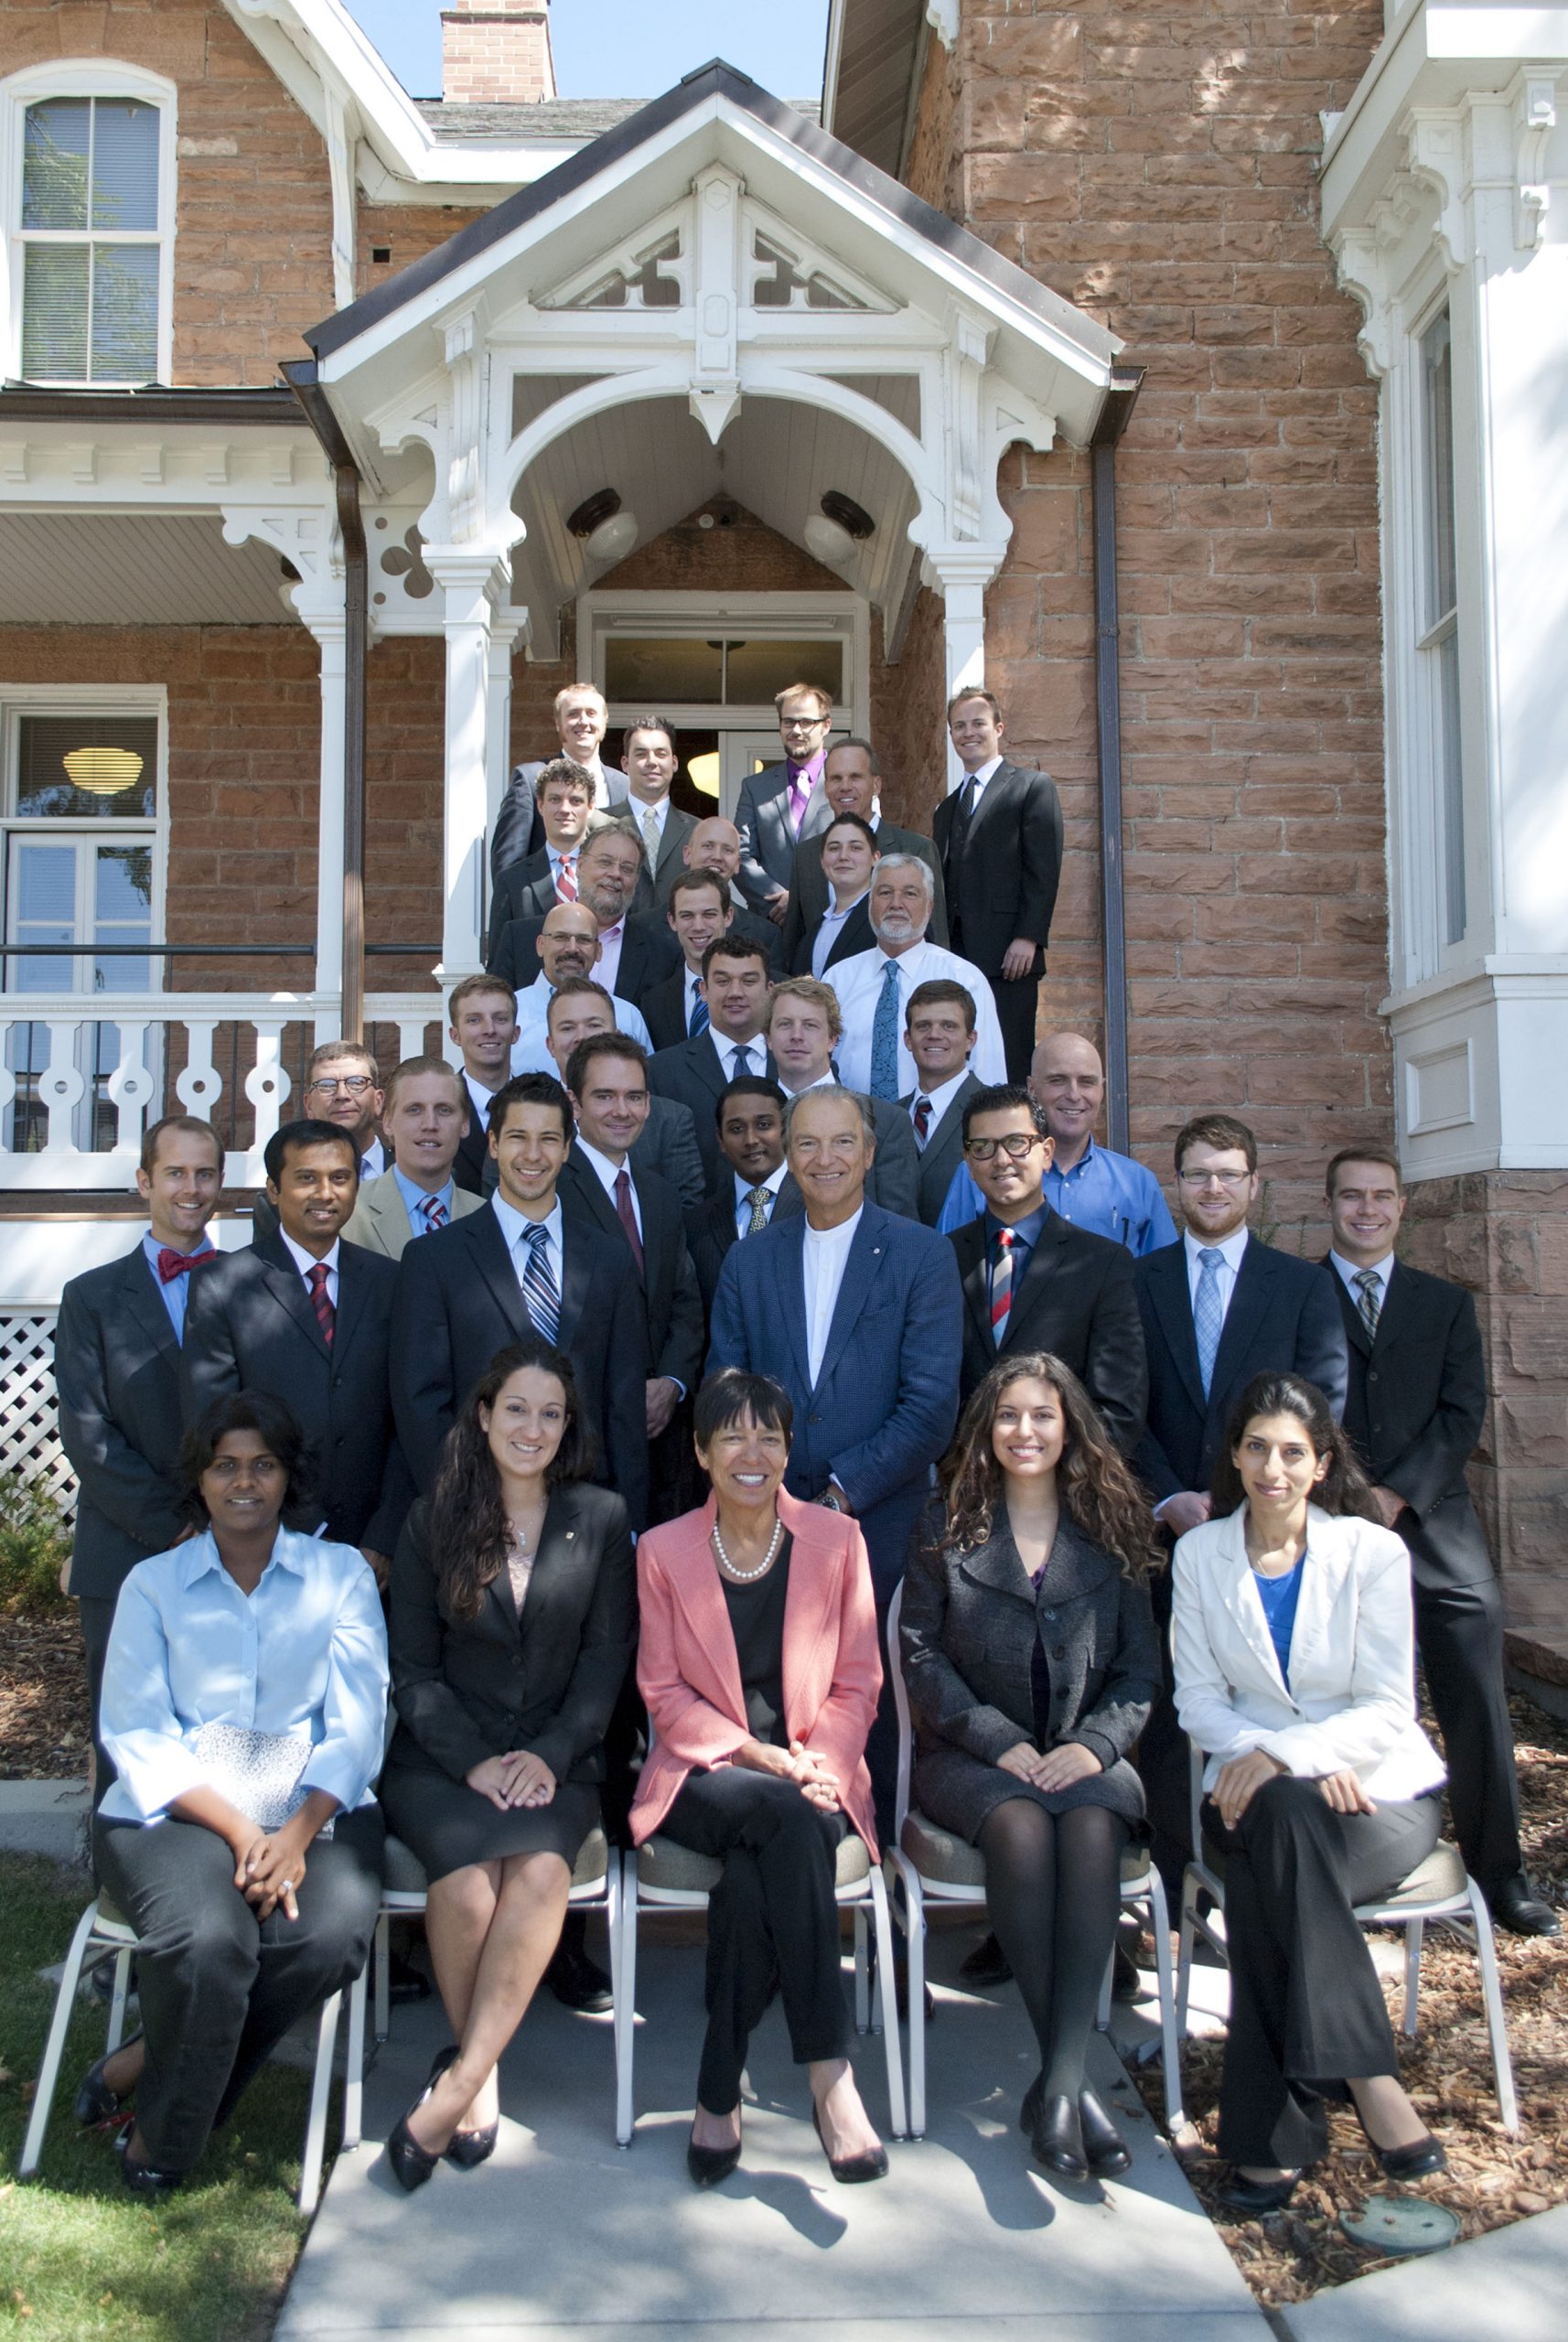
(496, 52)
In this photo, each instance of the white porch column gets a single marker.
(962, 574)
(330, 635)
(473, 580)
(504, 637)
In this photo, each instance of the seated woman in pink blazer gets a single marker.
(759, 1665)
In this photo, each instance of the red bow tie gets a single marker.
(172, 1264)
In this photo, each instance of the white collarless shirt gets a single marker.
(826, 1258)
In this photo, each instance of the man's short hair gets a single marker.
(1005, 1098)
(648, 724)
(471, 987)
(976, 691)
(942, 992)
(816, 995)
(854, 741)
(529, 1090)
(735, 947)
(1374, 1152)
(191, 1124)
(1217, 1131)
(804, 691)
(292, 1138)
(329, 1052)
(748, 1085)
(411, 1068)
(831, 1089)
(601, 1045)
(561, 771)
(573, 988)
(850, 822)
(619, 832)
(688, 881)
(891, 862)
(578, 691)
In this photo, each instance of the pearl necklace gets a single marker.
(748, 1577)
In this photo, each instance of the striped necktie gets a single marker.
(923, 1119)
(434, 1212)
(540, 1297)
(698, 1020)
(1372, 1301)
(566, 879)
(650, 838)
(1208, 1317)
(1002, 1285)
(321, 1301)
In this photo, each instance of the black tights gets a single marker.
(1053, 1887)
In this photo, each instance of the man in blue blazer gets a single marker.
(1217, 1307)
(858, 1314)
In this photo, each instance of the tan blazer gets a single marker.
(379, 1220)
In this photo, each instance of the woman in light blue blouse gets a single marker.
(245, 1708)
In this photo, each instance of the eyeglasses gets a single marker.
(1230, 1180)
(1015, 1145)
(329, 1085)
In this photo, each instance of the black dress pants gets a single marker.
(1164, 1757)
(219, 1989)
(773, 1908)
(1306, 2008)
(96, 1615)
(1460, 1636)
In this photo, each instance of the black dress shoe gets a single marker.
(141, 2178)
(708, 2165)
(1102, 2142)
(411, 2163)
(577, 1981)
(850, 2171)
(985, 1966)
(1417, 2159)
(95, 2101)
(1055, 2138)
(1256, 2196)
(1517, 1906)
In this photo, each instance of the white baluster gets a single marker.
(267, 1086)
(410, 1038)
(62, 1087)
(131, 1088)
(200, 1086)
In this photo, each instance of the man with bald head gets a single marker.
(566, 944)
(850, 778)
(1107, 1193)
(636, 949)
(714, 844)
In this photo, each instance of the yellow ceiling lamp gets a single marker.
(103, 772)
(704, 772)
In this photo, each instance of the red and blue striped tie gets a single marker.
(1002, 1285)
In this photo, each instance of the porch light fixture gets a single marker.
(832, 532)
(103, 772)
(609, 528)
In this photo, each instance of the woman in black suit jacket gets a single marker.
(513, 1621)
(1031, 1660)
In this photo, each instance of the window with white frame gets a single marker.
(89, 193)
(78, 826)
(1438, 623)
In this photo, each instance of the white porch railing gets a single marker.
(224, 1056)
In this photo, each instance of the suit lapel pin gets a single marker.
(570, 1534)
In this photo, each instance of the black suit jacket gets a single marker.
(669, 1283)
(458, 1301)
(465, 1689)
(678, 827)
(1076, 1300)
(943, 1150)
(1416, 1403)
(249, 1325)
(1283, 1319)
(663, 1008)
(809, 886)
(648, 949)
(668, 1146)
(767, 838)
(853, 935)
(473, 1152)
(712, 1232)
(117, 1385)
(692, 1075)
(1005, 884)
(523, 890)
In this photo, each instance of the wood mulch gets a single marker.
(43, 1699)
(1491, 2180)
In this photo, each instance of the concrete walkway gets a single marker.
(561, 2233)
(1510, 2286)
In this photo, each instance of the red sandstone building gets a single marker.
(1199, 372)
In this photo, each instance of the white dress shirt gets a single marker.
(940, 1100)
(727, 1051)
(635, 811)
(830, 929)
(1231, 1249)
(608, 1173)
(980, 775)
(305, 1261)
(530, 1054)
(514, 1228)
(858, 980)
(743, 1188)
(826, 1258)
(1349, 1270)
(478, 1100)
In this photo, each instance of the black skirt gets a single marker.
(450, 1826)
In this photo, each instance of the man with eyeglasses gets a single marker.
(343, 1086)
(1032, 1281)
(784, 803)
(1217, 1307)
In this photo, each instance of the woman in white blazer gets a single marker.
(1293, 1640)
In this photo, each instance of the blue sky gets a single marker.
(628, 49)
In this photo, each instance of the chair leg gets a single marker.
(1414, 1935)
(117, 2000)
(354, 2069)
(316, 2121)
(613, 1930)
(862, 1975)
(887, 1995)
(1102, 2008)
(1492, 1999)
(382, 1958)
(54, 2047)
(915, 1930)
(1170, 2029)
(625, 2003)
(1191, 1888)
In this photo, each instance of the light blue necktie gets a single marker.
(699, 1017)
(1208, 1317)
(540, 1297)
(885, 1036)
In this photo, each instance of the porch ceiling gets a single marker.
(134, 569)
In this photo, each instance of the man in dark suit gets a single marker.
(850, 775)
(117, 1343)
(527, 889)
(481, 1013)
(858, 1314)
(698, 912)
(488, 1279)
(938, 1027)
(1032, 1281)
(735, 987)
(667, 1143)
(581, 720)
(784, 803)
(714, 844)
(803, 1028)
(1417, 1401)
(849, 859)
(611, 879)
(1217, 1308)
(1000, 839)
(650, 761)
(307, 1317)
(749, 1117)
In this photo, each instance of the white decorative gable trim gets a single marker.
(943, 17)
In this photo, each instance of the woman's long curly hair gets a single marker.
(467, 1518)
(1344, 1488)
(1095, 1488)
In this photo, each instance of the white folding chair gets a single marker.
(1439, 1891)
(596, 1886)
(103, 1927)
(661, 1875)
(936, 1865)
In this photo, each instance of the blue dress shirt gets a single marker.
(305, 1652)
(1109, 1195)
(176, 1292)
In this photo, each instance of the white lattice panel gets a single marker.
(29, 1425)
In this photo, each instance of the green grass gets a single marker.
(79, 2258)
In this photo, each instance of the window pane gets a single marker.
(1451, 785)
(43, 910)
(54, 164)
(54, 314)
(758, 672)
(1437, 373)
(87, 768)
(124, 313)
(124, 915)
(124, 164)
(654, 671)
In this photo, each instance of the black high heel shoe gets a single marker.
(708, 2165)
(95, 2101)
(464, 2150)
(1107, 2150)
(851, 2171)
(1417, 2159)
(412, 2164)
(1255, 2196)
(1055, 2138)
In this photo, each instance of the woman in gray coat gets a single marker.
(1031, 1659)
